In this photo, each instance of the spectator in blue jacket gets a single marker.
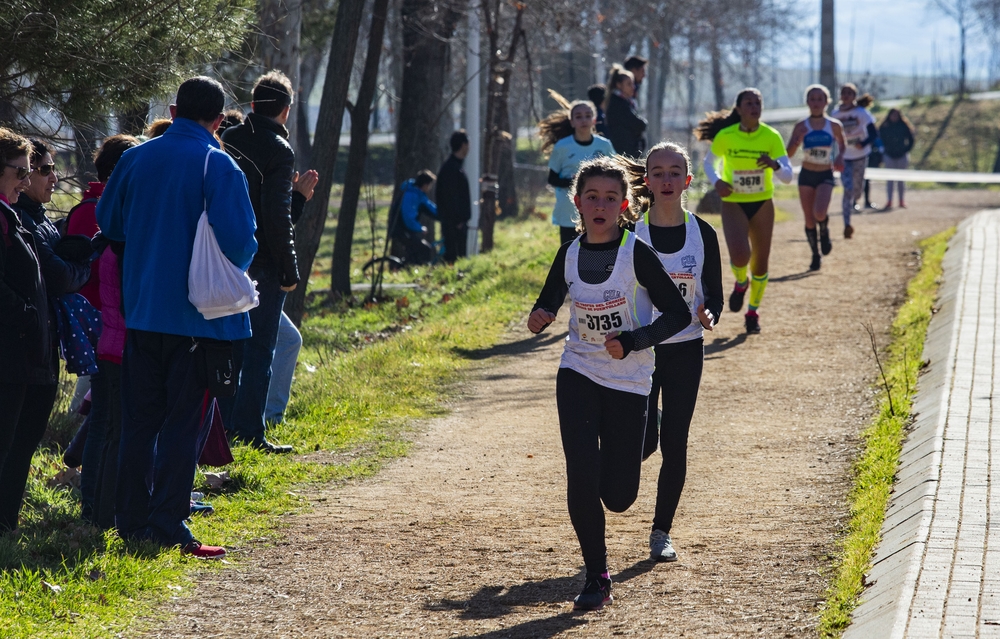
(152, 203)
(414, 201)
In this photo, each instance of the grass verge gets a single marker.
(875, 470)
(366, 372)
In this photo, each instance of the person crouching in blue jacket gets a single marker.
(408, 229)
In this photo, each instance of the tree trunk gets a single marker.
(324, 158)
(717, 85)
(428, 26)
(308, 70)
(827, 52)
(658, 75)
(280, 44)
(340, 269)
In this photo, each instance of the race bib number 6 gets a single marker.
(748, 181)
(685, 285)
(594, 321)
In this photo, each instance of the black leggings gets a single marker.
(678, 375)
(23, 418)
(602, 433)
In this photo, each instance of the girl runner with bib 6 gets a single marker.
(751, 154)
(817, 136)
(613, 281)
(688, 248)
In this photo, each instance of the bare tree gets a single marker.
(963, 13)
(340, 268)
(827, 51)
(324, 156)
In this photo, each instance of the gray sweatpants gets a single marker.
(896, 163)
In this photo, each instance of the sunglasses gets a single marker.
(45, 169)
(22, 171)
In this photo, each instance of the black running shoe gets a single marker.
(814, 265)
(752, 323)
(596, 593)
(736, 298)
(824, 241)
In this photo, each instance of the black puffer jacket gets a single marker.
(61, 276)
(26, 348)
(260, 146)
(626, 128)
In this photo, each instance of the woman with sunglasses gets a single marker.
(28, 377)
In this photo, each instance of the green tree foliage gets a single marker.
(84, 58)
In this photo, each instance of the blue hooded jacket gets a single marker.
(152, 203)
(413, 199)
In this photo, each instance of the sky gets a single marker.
(891, 36)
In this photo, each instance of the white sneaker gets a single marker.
(660, 547)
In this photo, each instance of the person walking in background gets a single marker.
(454, 202)
(597, 93)
(626, 128)
(260, 147)
(152, 203)
(636, 65)
(568, 136)
(874, 161)
(859, 129)
(30, 370)
(896, 134)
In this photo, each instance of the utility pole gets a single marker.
(827, 54)
(472, 126)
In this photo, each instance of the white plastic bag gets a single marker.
(216, 286)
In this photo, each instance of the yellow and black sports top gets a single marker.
(738, 151)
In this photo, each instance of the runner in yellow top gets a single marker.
(751, 154)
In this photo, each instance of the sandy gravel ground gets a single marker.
(469, 535)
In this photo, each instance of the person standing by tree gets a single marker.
(153, 202)
(626, 128)
(453, 200)
(636, 64)
(569, 133)
(896, 133)
(261, 149)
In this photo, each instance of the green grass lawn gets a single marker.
(365, 374)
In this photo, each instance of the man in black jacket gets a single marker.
(260, 147)
(452, 196)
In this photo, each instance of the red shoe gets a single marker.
(902, 204)
(199, 550)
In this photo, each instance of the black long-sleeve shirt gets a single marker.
(670, 239)
(452, 193)
(596, 264)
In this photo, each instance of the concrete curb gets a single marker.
(897, 603)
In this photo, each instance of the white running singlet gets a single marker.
(817, 145)
(685, 268)
(618, 304)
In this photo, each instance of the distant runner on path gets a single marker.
(688, 248)
(818, 135)
(751, 154)
(613, 282)
(860, 131)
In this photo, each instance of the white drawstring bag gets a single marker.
(216, 286)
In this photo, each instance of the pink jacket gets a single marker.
(112, 342)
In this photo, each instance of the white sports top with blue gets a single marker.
(685, 268)
(817, 145)
(855, 121)
(566, 158)
(617, 304)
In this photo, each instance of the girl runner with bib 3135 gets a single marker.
(751, 153)
(818, 135)
(613, 281)
(688, 248)
(860, 131)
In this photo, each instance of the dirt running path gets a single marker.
(469, 535)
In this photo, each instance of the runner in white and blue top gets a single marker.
(569, 132)
(822, 141)
(613, 281)
(688, 248)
